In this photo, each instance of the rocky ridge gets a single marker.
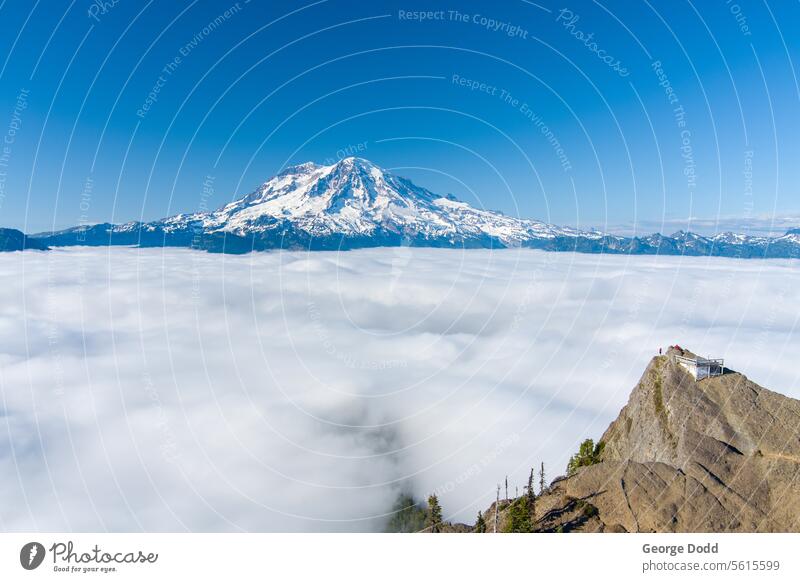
(717, 455)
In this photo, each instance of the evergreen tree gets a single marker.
(541, 480)
(433, 523)
(496, 509)
(518, 519)
(506, 488)
(407, 515)
(531, 500)
(480, 524)
(588, 454)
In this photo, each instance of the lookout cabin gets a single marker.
(701, 368)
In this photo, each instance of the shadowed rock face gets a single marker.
(717, 455)
(15, 240)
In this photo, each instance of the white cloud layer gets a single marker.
(175, 390)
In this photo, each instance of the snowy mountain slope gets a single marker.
(355, 198)
(354, 203)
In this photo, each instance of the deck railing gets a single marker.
(701, 361)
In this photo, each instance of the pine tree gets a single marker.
(496, 507)
(588, 454)
(408, 515)
(517, 518)
(480, 524)
(433, 522)
(541, 480)
(531, 501)
(506, 488)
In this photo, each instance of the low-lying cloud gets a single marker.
(174, 390)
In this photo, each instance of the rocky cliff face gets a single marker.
(716, 455)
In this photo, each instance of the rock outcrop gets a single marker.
(717, 455)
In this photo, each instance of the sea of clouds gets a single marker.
(177, 390)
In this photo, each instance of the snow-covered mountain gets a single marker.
(356, 199)
(353, 203)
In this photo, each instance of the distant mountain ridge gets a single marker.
(355, 204)
(15, 240)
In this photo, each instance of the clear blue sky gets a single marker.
(579, 141)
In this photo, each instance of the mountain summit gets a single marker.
(354, 203)
(720, 454)
(355, 200)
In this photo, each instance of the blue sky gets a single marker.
(508, 105)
